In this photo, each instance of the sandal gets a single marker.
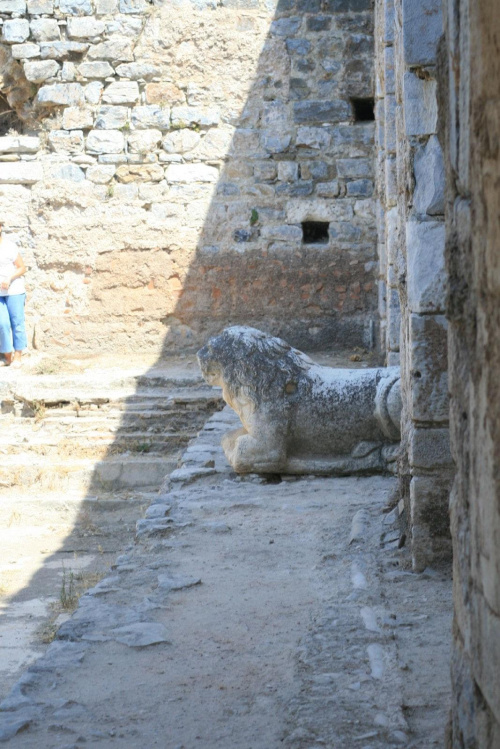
(16, 364)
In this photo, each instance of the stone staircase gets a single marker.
(99, 432)
(82, 455)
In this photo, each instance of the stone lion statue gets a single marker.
(299, 417)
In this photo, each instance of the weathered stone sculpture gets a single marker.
(299, 417)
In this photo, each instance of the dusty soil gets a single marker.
(282, 615)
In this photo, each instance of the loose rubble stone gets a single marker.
(165, 582)
(141, 634)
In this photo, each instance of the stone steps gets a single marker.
(104, 429)
(115, 472)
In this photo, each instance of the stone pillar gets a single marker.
(470, 101)
(411, 185)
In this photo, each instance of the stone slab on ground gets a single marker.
(305, 630)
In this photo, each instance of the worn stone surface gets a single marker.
(299, 417)
(252, 598)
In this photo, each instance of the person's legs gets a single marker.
(15, 306)
(6, 343)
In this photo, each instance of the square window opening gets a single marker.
(363, 109)
(315, 232)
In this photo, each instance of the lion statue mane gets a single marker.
(297, 416)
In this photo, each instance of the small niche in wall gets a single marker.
(315, 232)
(363, 109)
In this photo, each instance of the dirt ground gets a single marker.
(248, 615)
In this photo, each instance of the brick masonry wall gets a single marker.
(470, 102)
(410, 182)
(170, 156)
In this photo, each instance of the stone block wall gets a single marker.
(470, 105)
(412, 278)
(170, 156)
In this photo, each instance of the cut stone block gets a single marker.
(137, 70)
(20, 172)
(85, 28)
(12, 6)
(180, 141)
(62, 94)
(95, 69)
(184, 116)
(16, 30)
(321, 111)
(429, 367)
(19, 144)
(122, 92)
(61, 50)
(151, 116)
(76, 7)
(38, 72)
(422, 28)
(420, 105)
(25, 51)
(115, 49)
(66, 141)
(313, 137)
(141, 141)
(191, 173)
(426, 274)
(112, 118)
(40, 7)
(45, 29)
(428, 196)
(77, 118)
(105, 141)
(430, 448)
(101, 174)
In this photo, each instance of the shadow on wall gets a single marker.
(267, 217)
(270, 129)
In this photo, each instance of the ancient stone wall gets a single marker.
(470, 103)
(189, 165)
(410, 180)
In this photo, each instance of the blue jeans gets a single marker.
(12, 328)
